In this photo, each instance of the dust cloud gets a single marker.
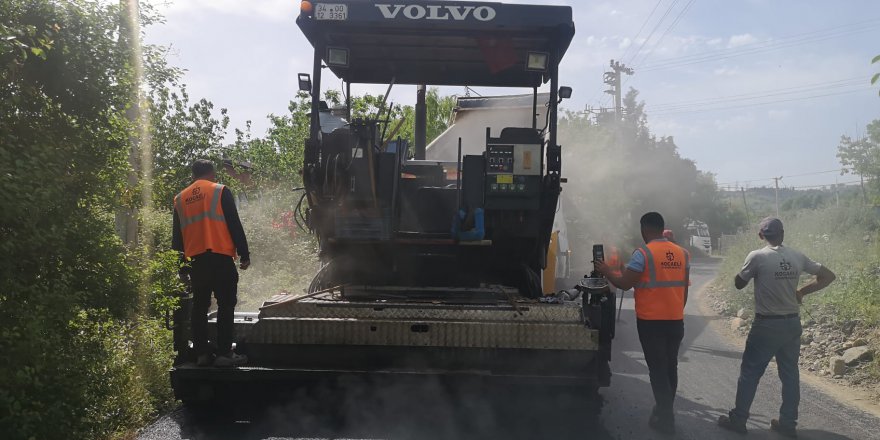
(284, 258)
(616, 173)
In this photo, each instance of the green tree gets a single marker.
(861, 156)
(439, 112)
(70, 292)
(182, 132)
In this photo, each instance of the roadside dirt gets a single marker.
(858, 391)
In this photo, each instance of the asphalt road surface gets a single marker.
(708, 369)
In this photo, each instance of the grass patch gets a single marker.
(283, 257)
(842, 239)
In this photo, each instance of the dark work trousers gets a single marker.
(213, 273)
(660, 342)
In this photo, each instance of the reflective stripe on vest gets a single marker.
(652, 272)
(202, 222)
(662, 287)
(211, 213)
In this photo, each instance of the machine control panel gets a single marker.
(499, 159)
(508, 184)
(513, 176)
(519, 159)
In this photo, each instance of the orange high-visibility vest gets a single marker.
(660, 292)
(202, 223)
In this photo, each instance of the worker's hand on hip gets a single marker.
(244, 264)
(800, 297)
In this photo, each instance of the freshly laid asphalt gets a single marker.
(708, 369)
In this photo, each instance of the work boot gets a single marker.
(230, 359)
(787, 431)
(204, 360)
(732, 424)
(663, 425)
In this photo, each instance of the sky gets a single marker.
(749, 89)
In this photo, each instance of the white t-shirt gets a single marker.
(777, 271)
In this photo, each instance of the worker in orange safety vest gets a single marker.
(208, 234)
(660, 272)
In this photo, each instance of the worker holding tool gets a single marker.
(659, 271)
(208, 233)
(776, 331)
(616, 266)
(614, 262)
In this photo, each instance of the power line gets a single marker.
(662, 36)
(816, 173)
(735, 188)
(641, 28)
(650, 35)
(812, 173)
(850, 183)
(757, 104)
(654, 29)
(742, 182)
(767, 45)
(771, 44)
(599, 94)
(671, 26)
(848, 82)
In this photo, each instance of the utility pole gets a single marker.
(748, 217)
(777, 179)
(613, 79)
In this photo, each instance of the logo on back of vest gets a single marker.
(195, 196)
(670, 262)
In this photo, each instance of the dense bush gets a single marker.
(80, 356)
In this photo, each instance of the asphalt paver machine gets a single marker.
(428, 267)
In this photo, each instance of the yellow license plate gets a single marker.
(504, 178)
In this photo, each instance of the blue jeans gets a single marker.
(768, 338)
